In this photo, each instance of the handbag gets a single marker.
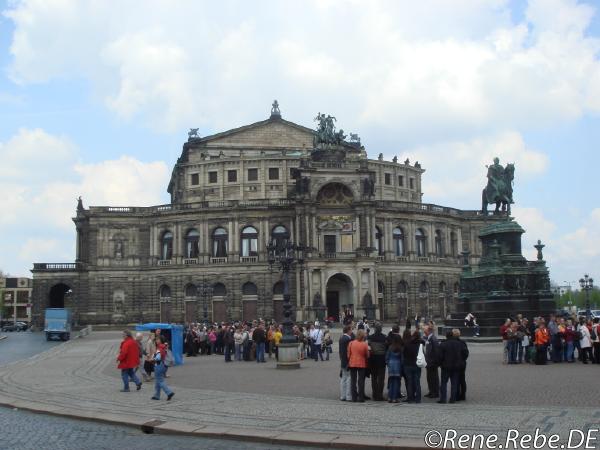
(169, 361)
(421, 358)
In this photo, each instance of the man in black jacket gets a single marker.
(451, 361)
(462, 381)
(377, 346)
(345, 386)
(432, 348)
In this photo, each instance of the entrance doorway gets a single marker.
(58, 292)
(339, 291)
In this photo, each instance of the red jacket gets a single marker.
(129, 356)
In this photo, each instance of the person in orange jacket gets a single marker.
(129, 359)
(358, 357)
(542, 338)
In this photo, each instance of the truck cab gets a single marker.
(57, 324)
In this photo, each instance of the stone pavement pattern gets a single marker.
(74, 379)
(29, 431)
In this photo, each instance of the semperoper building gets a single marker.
(370, 240)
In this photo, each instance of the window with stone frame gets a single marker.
(439, 244)
(232, 176)
(219, 290)
(249, 288)
(398, 237)
(166, 248)
(192, 239)
(388, 178)
(195, 179)
(212, 177)
(253, 174)
(249, 240)
(273, 173)
(279, 236)
(379, 241)
(453, 244)
(400, 181)
(421, 243)
(411, 182)
(219, 243)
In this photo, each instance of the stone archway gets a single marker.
(339, 298)
(58, 295)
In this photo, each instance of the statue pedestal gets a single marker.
(288, 356)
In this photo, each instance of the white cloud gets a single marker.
(41, 178)
(407, 66)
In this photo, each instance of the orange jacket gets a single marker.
(358, 354)
(542, 337)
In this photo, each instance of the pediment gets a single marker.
(266, 134)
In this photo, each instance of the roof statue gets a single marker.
(326, 133)
(79, 204)
(499, 189)
(193, 133)
(275, 112)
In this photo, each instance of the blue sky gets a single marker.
(96, 100)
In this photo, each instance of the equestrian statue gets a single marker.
(499, 189)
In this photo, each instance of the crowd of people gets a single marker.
(256, 340)
(369, 355)
(555, 340)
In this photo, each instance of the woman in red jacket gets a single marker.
(129, 359)
(358, 355)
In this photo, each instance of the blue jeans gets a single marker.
(512, 351)
(239, 349)
(569, 351)
(317, 351)
(227, 351)
(260, 352)
(159, 381)
(451, 375)
(393, 388)
(413, 383)
(126, 375)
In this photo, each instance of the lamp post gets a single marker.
(285, 255)
(205, 291)
(587, 284)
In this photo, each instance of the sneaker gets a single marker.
(138, 387)
(154, 398)
(170, 396)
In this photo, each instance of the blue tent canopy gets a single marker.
(176, 332)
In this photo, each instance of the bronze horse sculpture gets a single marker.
(499, 189)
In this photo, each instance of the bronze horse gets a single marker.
(505, 188)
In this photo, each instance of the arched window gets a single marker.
(249, 241)
(378, 241)
(191, 243)
(249, 289)
(439, 248)
(424, 288)
(166, 248)
(190, 290)
(164, 291)
(219, 247)
(454, 244)
(278, 288)
(421, 241)
(219, 290)
(398, 236)
(279, 236)
(402, 288)
(442, 288)
(456, 289)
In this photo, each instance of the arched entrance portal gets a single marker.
(58, 292)
(340, 295)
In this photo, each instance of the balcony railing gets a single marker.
(401, 258)
(188, 261)
(219, 260)
(57, 267)
(248, 259)
(164, 262)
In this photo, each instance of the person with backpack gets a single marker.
(160, 369)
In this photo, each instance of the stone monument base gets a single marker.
(288, 356)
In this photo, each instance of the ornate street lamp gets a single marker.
(285, 255)
(204, 291)
(587, 284)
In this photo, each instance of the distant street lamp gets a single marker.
(587, 284)
(204, 291)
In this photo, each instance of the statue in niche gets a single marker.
(119, 249)
(317, 300)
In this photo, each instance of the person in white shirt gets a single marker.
(316, 337)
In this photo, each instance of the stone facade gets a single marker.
(369, 237)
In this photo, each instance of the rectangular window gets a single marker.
(400, 181)
(412, 183)
(252, 174)
(329, 242)
(273, 173)
(388, 179)
(232, 176)
(195, 179)
(212, 177)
